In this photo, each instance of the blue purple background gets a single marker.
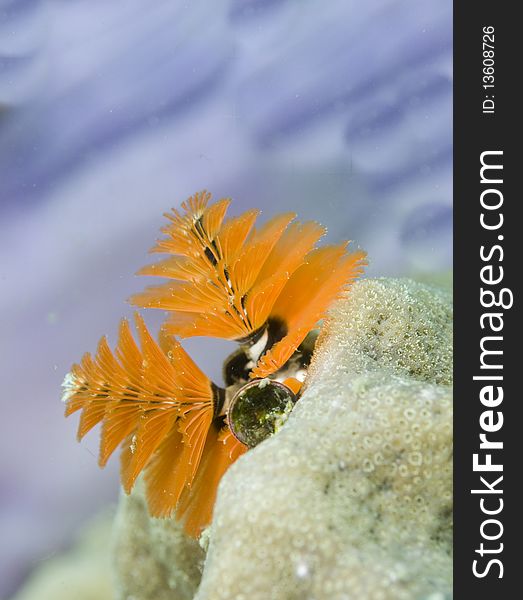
(113, 112)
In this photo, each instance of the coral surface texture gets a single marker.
(351, 498)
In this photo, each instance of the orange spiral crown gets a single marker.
(225, 279)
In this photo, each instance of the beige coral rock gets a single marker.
(153, 558)
(352, 498)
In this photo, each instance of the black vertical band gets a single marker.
(487, 260)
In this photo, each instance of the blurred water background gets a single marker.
(113, 112)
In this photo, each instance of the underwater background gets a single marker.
(113, 112)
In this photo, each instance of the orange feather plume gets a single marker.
(159, 406)
(224, 276)
(227, 280)
(325, 275)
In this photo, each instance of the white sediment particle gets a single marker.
(300, 375)
(205, 538)
(302, 570)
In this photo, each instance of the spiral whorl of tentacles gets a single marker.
(266, 289)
